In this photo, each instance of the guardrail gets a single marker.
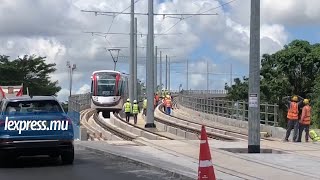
(230, 109)
(224, 92)
(76, 104)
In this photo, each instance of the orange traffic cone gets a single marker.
(205, 171)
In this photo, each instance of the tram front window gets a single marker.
(106, 85)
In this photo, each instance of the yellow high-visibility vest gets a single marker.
(127, 107)
(135, 109)
(145, 104)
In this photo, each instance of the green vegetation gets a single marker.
(295, 69)
(32, 71)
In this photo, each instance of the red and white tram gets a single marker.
(109, 90)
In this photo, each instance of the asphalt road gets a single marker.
(87, 166)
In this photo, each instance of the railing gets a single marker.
(224, 92)
(230, 109)
(76, 104)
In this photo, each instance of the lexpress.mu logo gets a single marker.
(35, 125)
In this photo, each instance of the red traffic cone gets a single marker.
(205, 171)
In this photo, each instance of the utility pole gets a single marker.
(187, 74)
(166, 72)
(254, 79)
(230, 75)
(135, 83)
(71, 69)
(131, 68)
(155, 69)
(208, 82)
(150, 68)
(160, 70)
(169, 76)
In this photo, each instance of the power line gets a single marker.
(213, 8)
(173, 26)
(145, 14)
(183, 18)
(115, 33)
(114, 16)
(118, 14)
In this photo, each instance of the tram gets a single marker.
(109, 90)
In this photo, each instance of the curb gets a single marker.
(175, 174)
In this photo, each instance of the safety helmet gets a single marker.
(128, 100)
(135, 101)
(306, 101)
(295, 98)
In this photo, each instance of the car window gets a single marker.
(49, 106)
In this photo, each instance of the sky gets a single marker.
(214, 44)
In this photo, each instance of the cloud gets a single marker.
(55, 29)
(63, 95)
(84, 89)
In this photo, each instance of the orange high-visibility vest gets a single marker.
(293, 111)
(307, 113)
(168, 103)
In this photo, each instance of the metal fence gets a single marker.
(230, 109)
(198, 92)
(76, 104)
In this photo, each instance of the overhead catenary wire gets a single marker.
(192, 15)
(114, 16)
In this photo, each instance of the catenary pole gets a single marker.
(230, 75)
(169, 75)
(160, 71)
(131, 69)
(155, 69)
(166, 72)
(187, 74)
(207, 75)
(150, 68)
(254, 79)
(135, 80)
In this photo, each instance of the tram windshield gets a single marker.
(106, 85)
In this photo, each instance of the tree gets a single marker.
(315, 103)
(32, 71)
(292, 70)
(238, 91)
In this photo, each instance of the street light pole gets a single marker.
(71, 69)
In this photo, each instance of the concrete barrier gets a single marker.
(134, 130)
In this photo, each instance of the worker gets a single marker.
(168, 105)
(144, 107)
(154, 103)
(157, 98)
(164, 104)
(127, 109)
(293, 116)
(135, 111)
(314, 136)
(305, 120)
